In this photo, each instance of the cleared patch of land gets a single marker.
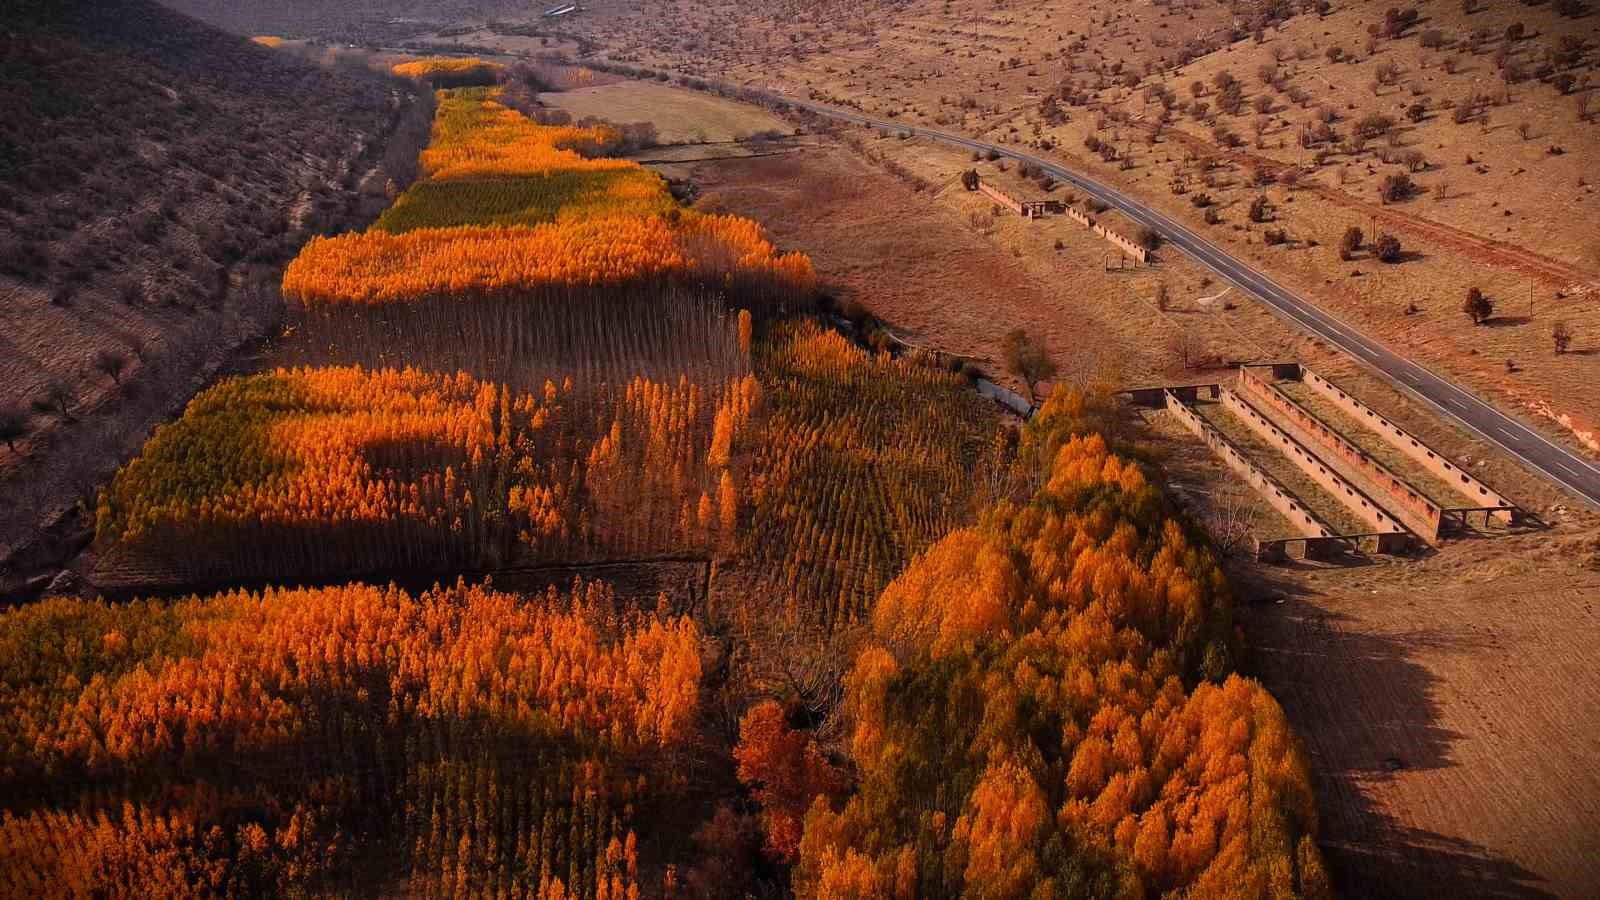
(680, 116)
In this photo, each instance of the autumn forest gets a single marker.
(929, 650)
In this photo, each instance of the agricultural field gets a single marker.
(680, 116)
(539, 366)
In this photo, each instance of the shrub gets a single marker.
(1260, 208)
(1387, 248)
(1396, 188)
(1350, 242)
(1374, 125)
(1477, 307)
(13, 425)
(1560, 335)
(112, 363)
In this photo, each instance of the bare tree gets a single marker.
(1027, 359)
(1188, 350)
(1230, 521)
(57, 398)
(1351, 242)
(1561, 335)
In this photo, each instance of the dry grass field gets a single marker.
(680, 116)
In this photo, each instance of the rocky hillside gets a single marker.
(154, 174)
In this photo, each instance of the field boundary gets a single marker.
(1496, 506)
(1406, 496)
(166, 584)
(1392, 537)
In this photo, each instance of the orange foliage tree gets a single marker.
(280, 742)
(1045, 707)
(324, 470)
(785, 769)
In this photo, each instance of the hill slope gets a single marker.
(153, 173)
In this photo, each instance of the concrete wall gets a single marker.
(1122, 243)
(1156, 397)
(1408, 444)
(1357, 502)
(1009, 399)
(1126, 246)
(1276, 495)
(1000, 197)
(1423, 515)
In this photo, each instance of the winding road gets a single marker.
(1565, 468)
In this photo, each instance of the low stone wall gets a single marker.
(1156, 397)
(1410, 502)
(1408, 444)
(1122, 243)
(1000, 197)
(1126, 246)
(1331, 481)
(1319, 541)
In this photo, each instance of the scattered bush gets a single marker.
(1560, 335)
(1396, 188)
(1387, 248)
(1477, 306)
(1350, 242)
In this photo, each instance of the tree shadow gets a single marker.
(1367, 711)
(1506, 321)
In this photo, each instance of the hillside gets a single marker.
(154, 174)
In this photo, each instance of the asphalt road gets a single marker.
(1565, 468)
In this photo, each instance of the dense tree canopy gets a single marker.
(1044, 710)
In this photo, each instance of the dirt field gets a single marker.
(681, 116)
